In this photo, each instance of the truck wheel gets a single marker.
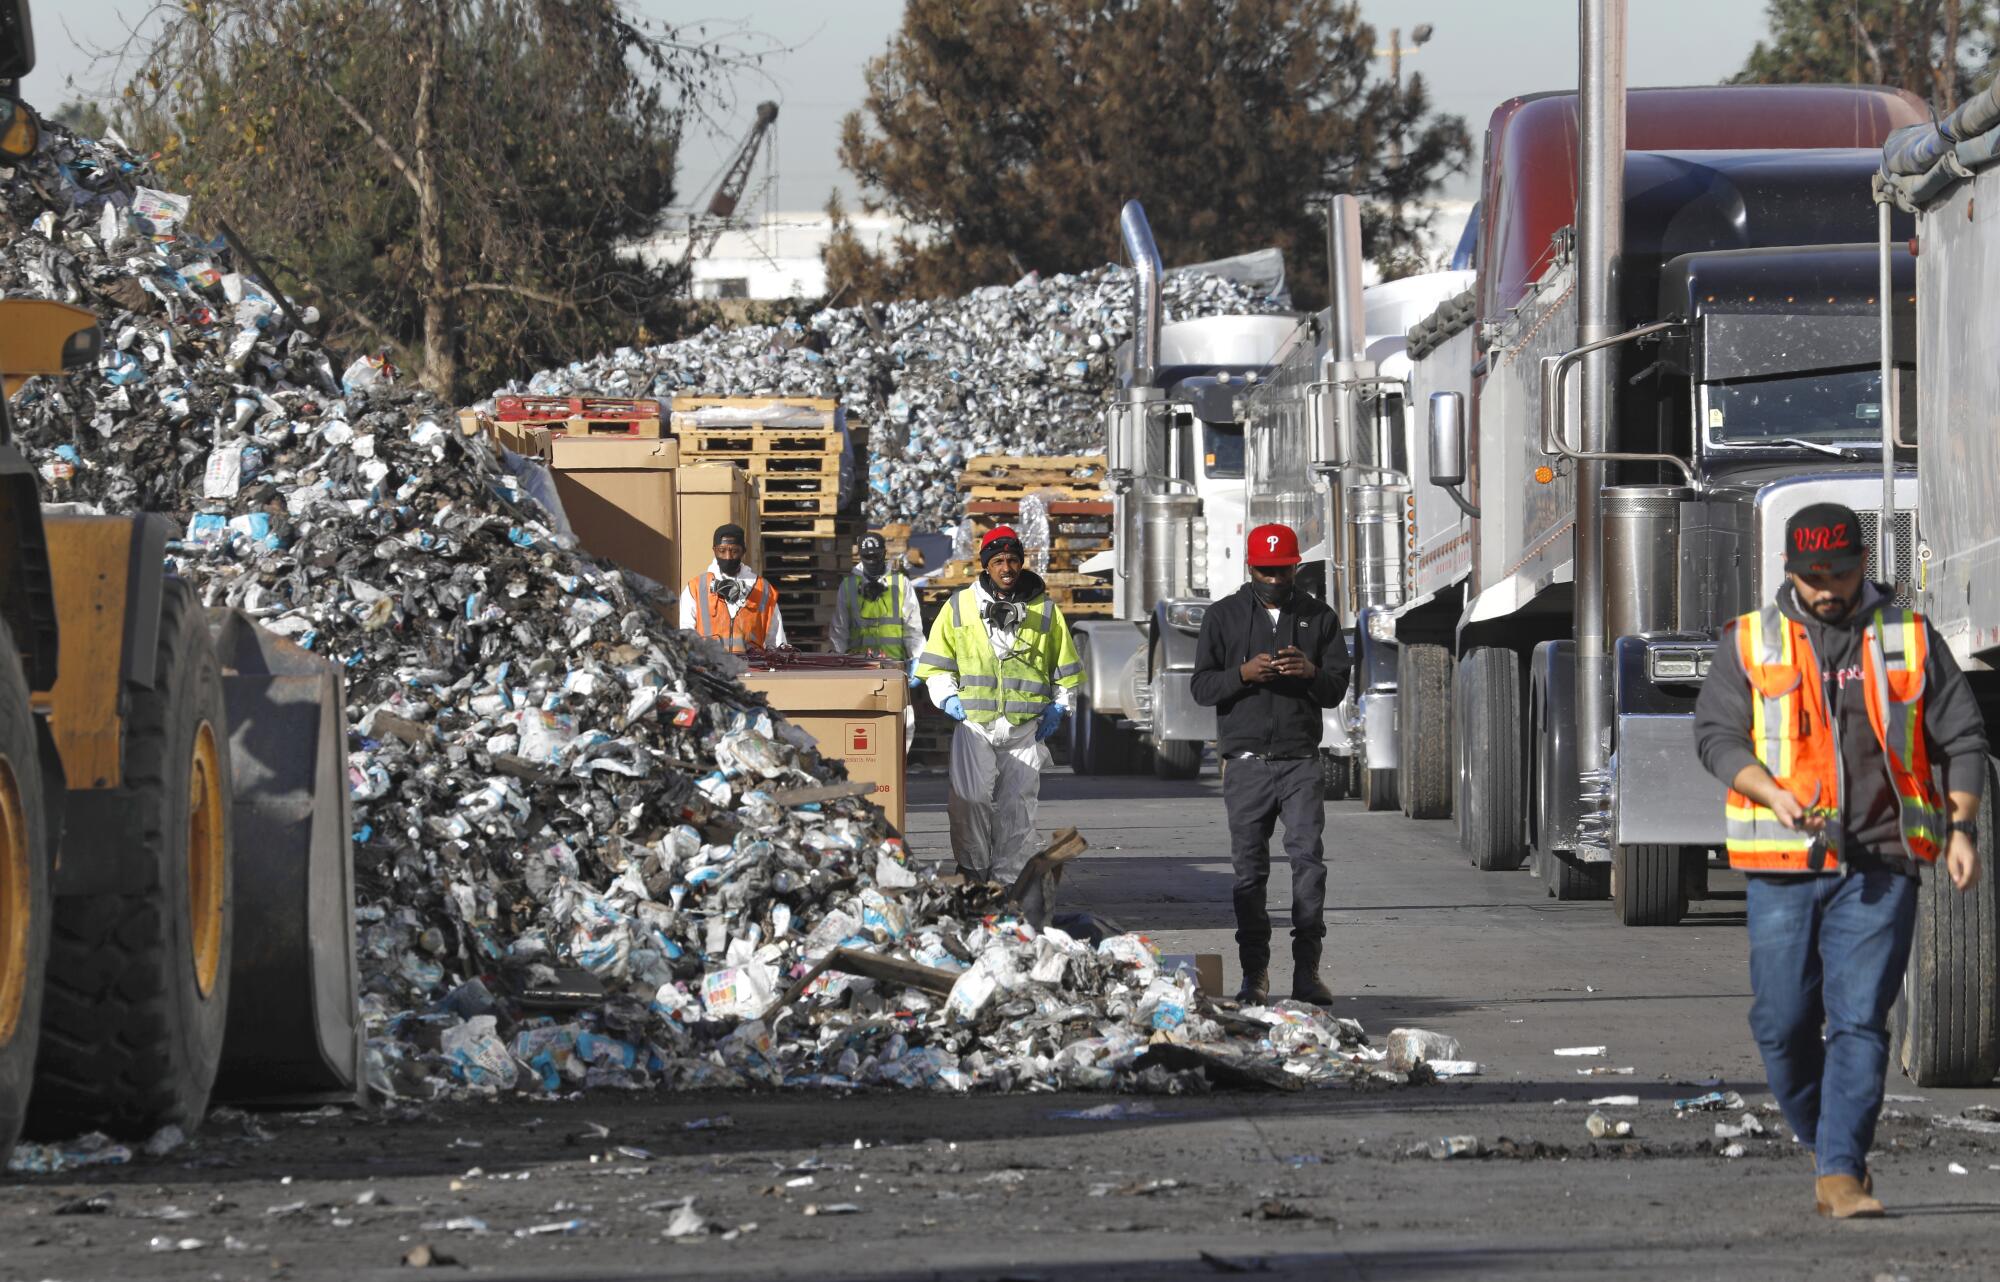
(1423, 730)
(1648, 887)
(24, 896)
(1176, 758)
(138, 983)
(1571, 880)
(1492, 788)
(1082, 737)
(1944, 1028)
(1335, 773)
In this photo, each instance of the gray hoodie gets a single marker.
(1868, 827)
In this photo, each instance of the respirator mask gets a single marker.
(1004, 616)
(731, 591)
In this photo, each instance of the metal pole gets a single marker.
(1600, 240)
(1885, 535)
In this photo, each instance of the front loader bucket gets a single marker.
(295, 1033)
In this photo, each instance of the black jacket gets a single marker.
(1281, 717)
(1869, 825)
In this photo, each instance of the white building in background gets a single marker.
(777, 257)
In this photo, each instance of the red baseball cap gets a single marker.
(1272, 545)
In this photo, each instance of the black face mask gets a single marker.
(1270, 595)
(730, 567)
(874, 572)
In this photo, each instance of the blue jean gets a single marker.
(1829, 951)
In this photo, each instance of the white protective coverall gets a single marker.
(996, 776)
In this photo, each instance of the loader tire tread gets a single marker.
(129, 1043)
(19, 749)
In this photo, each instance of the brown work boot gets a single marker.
(1256, 988)
(1306, 985)
(1843, 1197)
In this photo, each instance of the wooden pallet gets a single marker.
(780, 485)
(1015, 493)
(1033, 468)
(730, 444)
(795, 526)
(794, 505)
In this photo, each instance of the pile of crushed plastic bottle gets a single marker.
(1020, 369)
(585, 856)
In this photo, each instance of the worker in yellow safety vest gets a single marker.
(1000, 662)
(1854, 754)
(730, 601)
(875, 612)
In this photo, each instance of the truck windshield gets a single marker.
(1222, 449)
(1836, 407)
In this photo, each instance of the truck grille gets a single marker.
(1904, 524)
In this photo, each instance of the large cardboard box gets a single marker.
(619, 497)
(712, 494)
(855, 715)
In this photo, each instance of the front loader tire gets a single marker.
(24, 896)
(138, 981)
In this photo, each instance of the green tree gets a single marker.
(82, 116)
(1010, 134)
(1937, 49)
(451, 180)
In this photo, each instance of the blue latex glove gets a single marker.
(954, 708)
(915, 681)
(1051, 718)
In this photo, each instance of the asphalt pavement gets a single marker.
(1331, 1184)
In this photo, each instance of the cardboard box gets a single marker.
(855, 715)
(619, 497)
(712, 494)
(1207, 969)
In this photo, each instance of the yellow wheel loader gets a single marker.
(175, 883)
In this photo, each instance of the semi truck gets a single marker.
(1579, 541)
(176, 900)
(1946, 1027)
(1175, 472)
(1353, 515)
(1723, 187)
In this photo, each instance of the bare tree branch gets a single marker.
(520, 291)
(374, 135)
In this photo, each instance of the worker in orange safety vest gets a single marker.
(1854, 755)
(730, 601)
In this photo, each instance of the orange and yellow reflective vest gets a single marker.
(1793, 734)
(750, 625)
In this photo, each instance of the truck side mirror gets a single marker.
(1447, 426)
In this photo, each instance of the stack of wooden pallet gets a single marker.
(791, 445)
(1079, 524)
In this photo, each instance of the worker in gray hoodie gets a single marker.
(1854, 754)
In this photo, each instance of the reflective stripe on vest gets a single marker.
(750, 625)
(1793, 735)
(877, 625)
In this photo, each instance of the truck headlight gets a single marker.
(1187, 615)
(1381, 625)
(1678, 664)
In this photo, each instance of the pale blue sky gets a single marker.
(1482, 51)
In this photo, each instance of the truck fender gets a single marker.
(1108, 648)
